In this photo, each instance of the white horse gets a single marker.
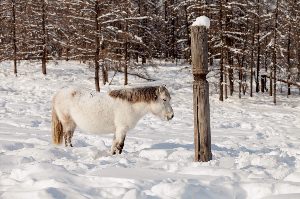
(115, 112)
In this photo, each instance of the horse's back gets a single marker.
(91, 111)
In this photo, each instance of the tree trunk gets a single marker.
(44, 53)
(263, 84)
(136, 57)
(252, 63)
(14, 36)
(244, 74)
(258, 64)
(221, 97)
(173, 52)
(188, 52)
(289, 59)
(166, 13)
(126, 55)
(143, 60)
(266, 69)
(104, 74)
(231, 83)
(298, 53)
(275, 51)
(225, 83)
(271, 83)
(229, 69)
(97, 85)
(258, 47)
(240, 76)
(97, 44)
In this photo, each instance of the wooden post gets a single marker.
(202, 136)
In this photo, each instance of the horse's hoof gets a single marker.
(119, 151)
(113, 151)
(116, 151)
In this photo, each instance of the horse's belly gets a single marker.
(99, 128)
(93, 122)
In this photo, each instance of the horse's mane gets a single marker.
(134, 95)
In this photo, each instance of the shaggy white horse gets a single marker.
(115, 112)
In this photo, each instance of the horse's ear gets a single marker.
(159, 90)
(162, 88)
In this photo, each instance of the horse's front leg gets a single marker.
(118, 141)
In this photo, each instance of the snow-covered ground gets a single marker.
(255, 145)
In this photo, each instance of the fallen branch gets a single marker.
(138, 75)
(112, 78)
(286, 81)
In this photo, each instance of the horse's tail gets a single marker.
(57, 128)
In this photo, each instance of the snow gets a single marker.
(255, 144)
(202, 21)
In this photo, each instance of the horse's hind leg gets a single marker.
(68, 138)
(68, 128)
(118, 141)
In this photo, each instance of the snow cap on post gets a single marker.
(202, 21)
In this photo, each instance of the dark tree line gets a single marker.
(253, 44)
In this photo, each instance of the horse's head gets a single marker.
(161, 106)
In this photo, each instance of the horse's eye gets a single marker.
(164, 99)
